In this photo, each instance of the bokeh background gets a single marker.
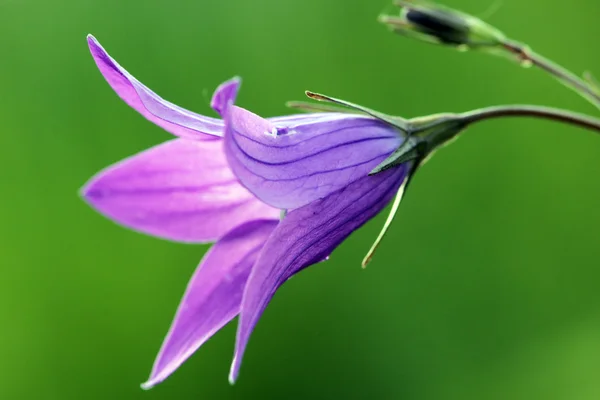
(486, 288)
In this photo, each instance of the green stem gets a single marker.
(426, 135)
(565, 76)
(553, 114)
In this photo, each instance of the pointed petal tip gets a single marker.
(154, 379)
(161, 370)
(157, 376)
(94, 195)
(92, 192)
(86, 192)
(92, 42)
(225, 95)
(234, 370)
(234, 80)
(100, 55)
(232, 377)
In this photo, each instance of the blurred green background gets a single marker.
(486, 288)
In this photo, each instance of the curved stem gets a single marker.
(425, 137)
(553, 114)
(562, 74)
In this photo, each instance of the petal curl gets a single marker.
(306, 236)
(289, 163)
(225, 95)
(170, 117)
(181, 190)
(213, 296)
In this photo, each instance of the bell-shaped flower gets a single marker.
(334, 174)
(185, 190)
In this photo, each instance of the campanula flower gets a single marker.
(352, 166)
(315, 193)
(183, 190)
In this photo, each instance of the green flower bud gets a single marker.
(440, 25)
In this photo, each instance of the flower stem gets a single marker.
(553, 114)
(527, 56)
(428, 134)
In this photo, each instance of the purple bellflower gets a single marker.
(276, 196)
(334, 174)
(183, 190)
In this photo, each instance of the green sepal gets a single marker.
(315, 107)
(396, 122)
(426, 134)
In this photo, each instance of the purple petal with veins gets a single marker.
(187, 190)
(213, 296)
(289, 164)
(306, 236)
(172, 118)
(181, 190)
(225, 95)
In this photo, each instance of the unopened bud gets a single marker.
(437, 24)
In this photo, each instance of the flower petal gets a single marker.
(213, 296)
(289, 163)
(172, 118)
(181, 190)
(306, 236)
(225, 95)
